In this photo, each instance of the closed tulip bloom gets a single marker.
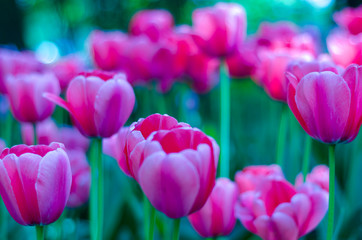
(35, 182)
(345, 48)
(254, 177)
(136, 139)
(107, 49)
(25, 96)
(178, 171)
(219, 29)
(217, 217)
(278, 211)
(46, 132)
(152, 23)
(318, 176)
(327, 105)
(81, 178)
(350, 19)
(99, 103)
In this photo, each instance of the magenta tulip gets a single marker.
(35, 182)
(99, 103)
(350, 19)
(46, 132)
(318, 176)
(254, 177)
(327, 105)
(81, 178)
(219, 29)
(170, 156)
(25, 95)
(278, 211)
(136, 140)
(153, 23)
(107, 49)
(217, 217)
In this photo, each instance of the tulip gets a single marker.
(114, 147)
(350, 19)
(319, 176)
(345, 48)
(253, 177)
(169, 156)
(136, 139)
(46, 132)
(219, 29)
(278, 211)
(81, 178)
(326, 104)
(73, 139)
(99, 103)
(217, 217)
(66, 69)
(25, 96)
(35, 182)
(152, 23)
(107, 49)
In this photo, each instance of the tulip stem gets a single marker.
(176, 229)
(152, 212)
(224, 121)
(332, 169)
(39, 232)
(35, 142)
(282, 135)
(306, 157)
(96, 200)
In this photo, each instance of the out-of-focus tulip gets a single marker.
(25, 95)
(72, 138)
(67, 68)
(278, 211)
(169, 156)
(345, 48)
(81, 178)
(14, 63)
(254, 177)
(327, 105)
(217, 217)
(219, 29)
(136, 140)
(107, 49)
(2, 144)
(152, 23)
(271, 71)
(99, 103)
(350, 19)
(35, 182)
(114, 147)
(46, 132)
(318, 176)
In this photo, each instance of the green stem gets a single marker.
(4, 221)
(332, 167)
(8, 129)
(96, 201)
(306, 157)
(282, 135)
(176, 229)
(146, 213)
(152, 222)
(39, 232)
(35, 141)
(224, 121)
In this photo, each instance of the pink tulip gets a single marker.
(114, 147)
(327, 105)
(219, 29)
(14, 63)
(25, 95)
(35, 182)
(217, 217)
(81, 178)
(278, 211)
(46, 132)
(350, 19)
(67, 68)
(107, 49)
(318, 176)
(99, 103)
(72, 138)
(254, 177)
(178, 171)
(136, 139)
(152, 23)
(345, 48)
